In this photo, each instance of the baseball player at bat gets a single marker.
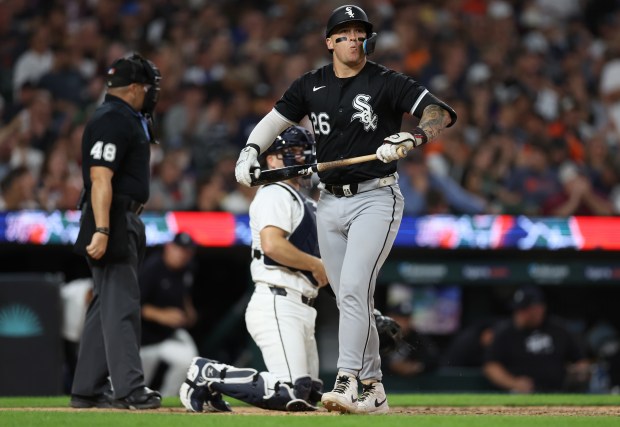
(280, 316)
(356, 108)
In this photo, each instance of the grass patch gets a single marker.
(46, 415)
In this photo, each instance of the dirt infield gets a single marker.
(411, 410)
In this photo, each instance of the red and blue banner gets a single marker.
(223, 229)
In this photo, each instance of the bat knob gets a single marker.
(402, 151)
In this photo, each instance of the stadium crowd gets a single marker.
(536, 85)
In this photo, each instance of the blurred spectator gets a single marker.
(604, 344)
(65, 82)
(60, 179)
(427, 192)
(577, 196)
(23, 99)
(166, 279)
(38, 129)
(209, 193)
(600, 163)
(238, 200)
(9, 137)
(76, 296)
(186, 122)
(171, 188)
(469, 346)
(610, 94)
(519, 74)
(533, 352)
(17, 190)
(531, 183)
(418, 353)
(36, 61)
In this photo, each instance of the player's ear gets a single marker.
(270, 160)
(329, 43)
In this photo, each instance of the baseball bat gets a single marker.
(268, 176)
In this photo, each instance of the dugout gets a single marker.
(581, 283)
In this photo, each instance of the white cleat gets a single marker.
(343, 398)
(372, 400)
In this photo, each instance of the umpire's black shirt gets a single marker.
(116, 137)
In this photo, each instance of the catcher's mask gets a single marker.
(351, 13)
(294, 136)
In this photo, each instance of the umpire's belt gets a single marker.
(349, 190)
(132, 206)
(281, 291)
(135, 207)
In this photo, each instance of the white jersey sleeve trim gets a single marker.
(417, 102)
(266, 131)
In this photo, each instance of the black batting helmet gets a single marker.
(294, 136)
(347, 13)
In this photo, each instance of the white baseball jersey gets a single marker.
(280, 207)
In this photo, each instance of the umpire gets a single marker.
(115, 168)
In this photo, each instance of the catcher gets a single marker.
(287, 272)
(208, 380)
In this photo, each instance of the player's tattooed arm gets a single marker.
(434, 119)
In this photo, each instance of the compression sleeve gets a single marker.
(266, 131)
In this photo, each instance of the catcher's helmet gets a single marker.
(347, 13)
(294, 136)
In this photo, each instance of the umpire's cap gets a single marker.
(527, 296)
(125, 71)
(347, 13)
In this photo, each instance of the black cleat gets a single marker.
(85, 402)
(140, 398)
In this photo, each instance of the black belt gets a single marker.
(281, 291)
(135, 207)
(347, 190)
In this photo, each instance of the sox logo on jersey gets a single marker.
(365, 114)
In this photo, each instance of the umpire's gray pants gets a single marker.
(356, 235)
(110, 343)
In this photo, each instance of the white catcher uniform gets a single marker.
(280, 316)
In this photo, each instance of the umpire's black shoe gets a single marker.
(140, 398)
(84, 402)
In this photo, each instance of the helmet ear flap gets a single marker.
(369, 44)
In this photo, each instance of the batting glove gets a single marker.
(248, 159)
(389, 151)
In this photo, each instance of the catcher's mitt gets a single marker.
(390, 334)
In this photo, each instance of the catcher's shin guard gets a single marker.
(195, 393)
(261, 393)
(211, 371)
